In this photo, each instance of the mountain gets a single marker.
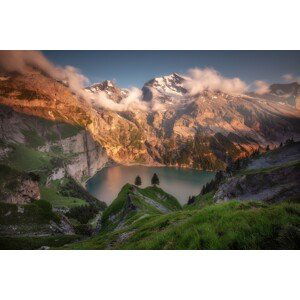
(165, 89)
(284, 93)
(204, 131)
(210, 128)
(110, 89)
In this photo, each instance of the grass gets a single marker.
(51, 195)
(295, 164)
(8, 178)
(33, 139)
(68, 187)
(116, 209)
(201, 201)
(161, 196)
(31, 243)
(23, 158)
(38, 212)
(67, 130)
(231, 225)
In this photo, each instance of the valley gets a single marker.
(53, 143)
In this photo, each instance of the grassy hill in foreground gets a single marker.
(133, 202)
(231, 225)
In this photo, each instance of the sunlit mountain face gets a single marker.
(163, 123)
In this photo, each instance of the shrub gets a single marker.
(138, 181)
(155, 179)
(83, 213)
(83, 229)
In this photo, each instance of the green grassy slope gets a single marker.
(35, 242)
(151, 200)
(231, 225)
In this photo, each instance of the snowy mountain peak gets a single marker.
(101, 86)
(109, 87)
(165, 88)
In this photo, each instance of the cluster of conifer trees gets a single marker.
(154, 180)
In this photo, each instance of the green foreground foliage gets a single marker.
(231, 225)
(35, 242)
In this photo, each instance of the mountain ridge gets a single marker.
(174, 136)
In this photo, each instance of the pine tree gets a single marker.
(155, 179)
(138, 181)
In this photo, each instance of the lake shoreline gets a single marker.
(115, 164)
(177, 181)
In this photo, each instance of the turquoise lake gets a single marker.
(181, 183)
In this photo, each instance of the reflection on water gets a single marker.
(181, 183)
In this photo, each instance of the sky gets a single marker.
(134, 68)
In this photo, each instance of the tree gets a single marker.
(155, 179)
(289, 141)
(280, 145)
(268, 148)
(191, 200)
(138, 181)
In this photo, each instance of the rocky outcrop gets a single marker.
(18, 187)
(86, 157)
(273, 177)
(25, 192)
(273, 186)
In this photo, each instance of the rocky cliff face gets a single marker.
(18, 187)
(71, 149)
(271, 177)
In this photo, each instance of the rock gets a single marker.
(44, 248)
(26, 191)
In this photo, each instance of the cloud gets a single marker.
(261, 87)
(199, 80)
(290, 78)
(133, 101)
(25, 61)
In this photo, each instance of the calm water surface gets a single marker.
(181, 183)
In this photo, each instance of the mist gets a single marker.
(199, 80)
(289, 78)
(261, 87)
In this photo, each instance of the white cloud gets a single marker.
(261, 87)
(199, 80)
(290, 78)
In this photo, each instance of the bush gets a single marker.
(138, 181)
(46, 210)
(289, 238)
(83, 229)
(83, 213)
(72, 189)
(33, 176)
(155, 179)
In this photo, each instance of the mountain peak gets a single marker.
(167, 86)
(109, 87)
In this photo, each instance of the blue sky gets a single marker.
(134, 68)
